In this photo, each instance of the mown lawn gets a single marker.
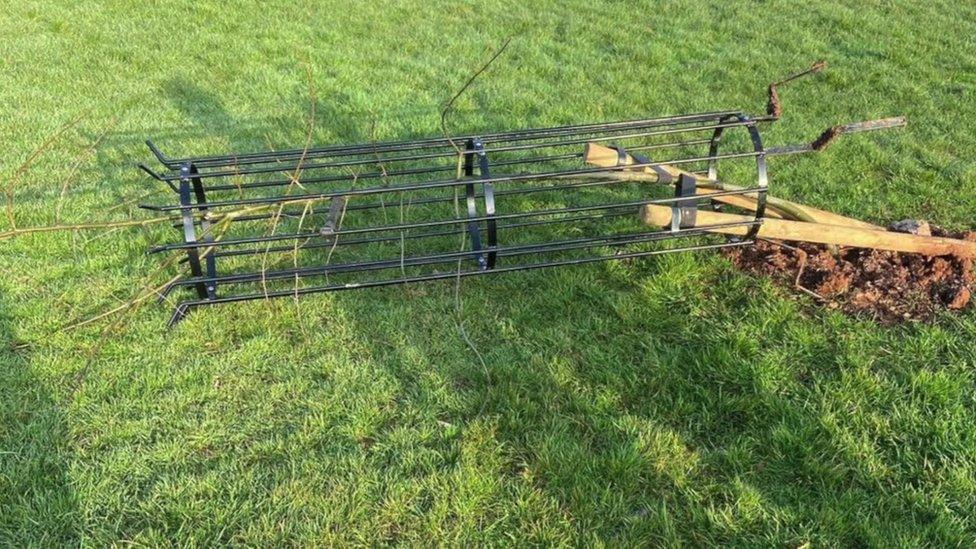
(662, 401)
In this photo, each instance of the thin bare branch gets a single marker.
(458, 309)
(82, 226)
(450, 104)
(80, 159)
(15, 178)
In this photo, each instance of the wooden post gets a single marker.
(598, 155)
(801, 231)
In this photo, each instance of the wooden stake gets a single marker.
(606, 157)
(800, 231)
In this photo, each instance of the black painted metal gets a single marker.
(297, 222)
(394, 146)
(488, 191)
(189, 229)
(474, 232)
(209, 260)
(683, 211)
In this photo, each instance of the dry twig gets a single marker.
(79, 160)
(460, 160)
(15, 178)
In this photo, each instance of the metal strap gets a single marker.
(190, 231)
(663, 175)
(684, 212)
(761, 170)
(621, 155)
(489, 192)
(336, 206)
(473, 231)
(210, 261)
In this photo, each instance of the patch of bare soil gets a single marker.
(889, 286)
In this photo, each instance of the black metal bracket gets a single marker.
(336, 207)
(684, 212)
(489, 192)
(473, 231)
(206, 289)
(760, 152)
(475, 149)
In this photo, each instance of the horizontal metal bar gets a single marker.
(673, 131)
(448, 199)
(413, 236)
(305, 181)
(832, 133)
(407, 226)
(445, 183)
(381, 174)
(184, 307)
(502, 251)
(454, 154)
(445, 199)
(421, 201)
(406, 145)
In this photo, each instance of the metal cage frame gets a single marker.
(493, 173)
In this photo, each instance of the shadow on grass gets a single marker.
(339, 119)
(37, 503)
(638, 417)
(582, 415)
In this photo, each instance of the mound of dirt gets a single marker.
(891, 287)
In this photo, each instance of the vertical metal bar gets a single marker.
(683, 211)
(469, 158)
(759, 150)
(209, 260)
(762, 177)
(488, 190)
(473, 230)
(189, 229)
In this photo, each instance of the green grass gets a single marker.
(662, 401)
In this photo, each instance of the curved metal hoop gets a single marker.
(762, 176)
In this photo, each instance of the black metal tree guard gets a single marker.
(302, 221)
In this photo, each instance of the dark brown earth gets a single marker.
(890, 287)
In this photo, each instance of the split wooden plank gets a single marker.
(801, 231)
